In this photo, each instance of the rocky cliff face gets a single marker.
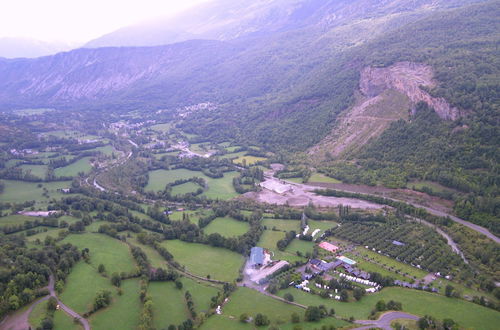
(406, 78)
(386, 95)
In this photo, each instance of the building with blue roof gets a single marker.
(256, 257)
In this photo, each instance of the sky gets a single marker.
(79, 21)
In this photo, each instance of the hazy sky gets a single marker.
(79, 20)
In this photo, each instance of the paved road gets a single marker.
(384, 322)
(21, 322)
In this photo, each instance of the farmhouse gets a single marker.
(328, 247)
(256, 257)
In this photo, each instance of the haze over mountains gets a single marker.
(295, 62)
(24, 47)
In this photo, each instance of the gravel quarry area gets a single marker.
(302, 195)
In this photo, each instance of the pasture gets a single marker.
(202, 293)
(124, 311)
(321, 178)
(221, 188)
(245, 300)
(467, 314)
(16, 219)
(40, 171)
(194, 215)
(162, 128)
(301, 246)
(282, 224)
(227, 227)
(154, 257)
(21, 191)
(248, 160)
(82, 284)
(81, 165)
(110, 252)
(200, 259)
(169, 306)
(185, 188)
(268, 241)
(158, 179)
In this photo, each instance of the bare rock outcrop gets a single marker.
(385, 95)
(406, 78)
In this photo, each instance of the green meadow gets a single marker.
(21, 191)
(227, 227)
(169, 306)
(200, 259)
(467, 314)
(124, 311)
(110, 252)
(82, 285)
(81, 165)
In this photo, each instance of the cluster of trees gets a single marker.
(283, 243)
(190, 304)
(429, 322)
(248, 179)
(26, 271)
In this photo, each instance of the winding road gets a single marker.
(21, 322)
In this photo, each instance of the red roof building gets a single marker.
(329, 247)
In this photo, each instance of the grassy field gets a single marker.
(203, 260)
(124, 311)
(161, 127)
(38, 314)
(42, 235)
(169, 305)
(227, 227)
(185, 188)
(81, 165)
(318, 177)
(245, 300)
(154, 257)
(234, 155)
(323, 225)
(108, 150)
(420, 303)
(201, 292)
(39, 171)
(16, 219)
(194, 215)
(21, 191)
(158, 179)
(221, 188)
(268, 241)
(249, 160)
(299, 245)
(62, 321)
(225, 322)
(282, 224)
(110, 252)
(82, 285)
